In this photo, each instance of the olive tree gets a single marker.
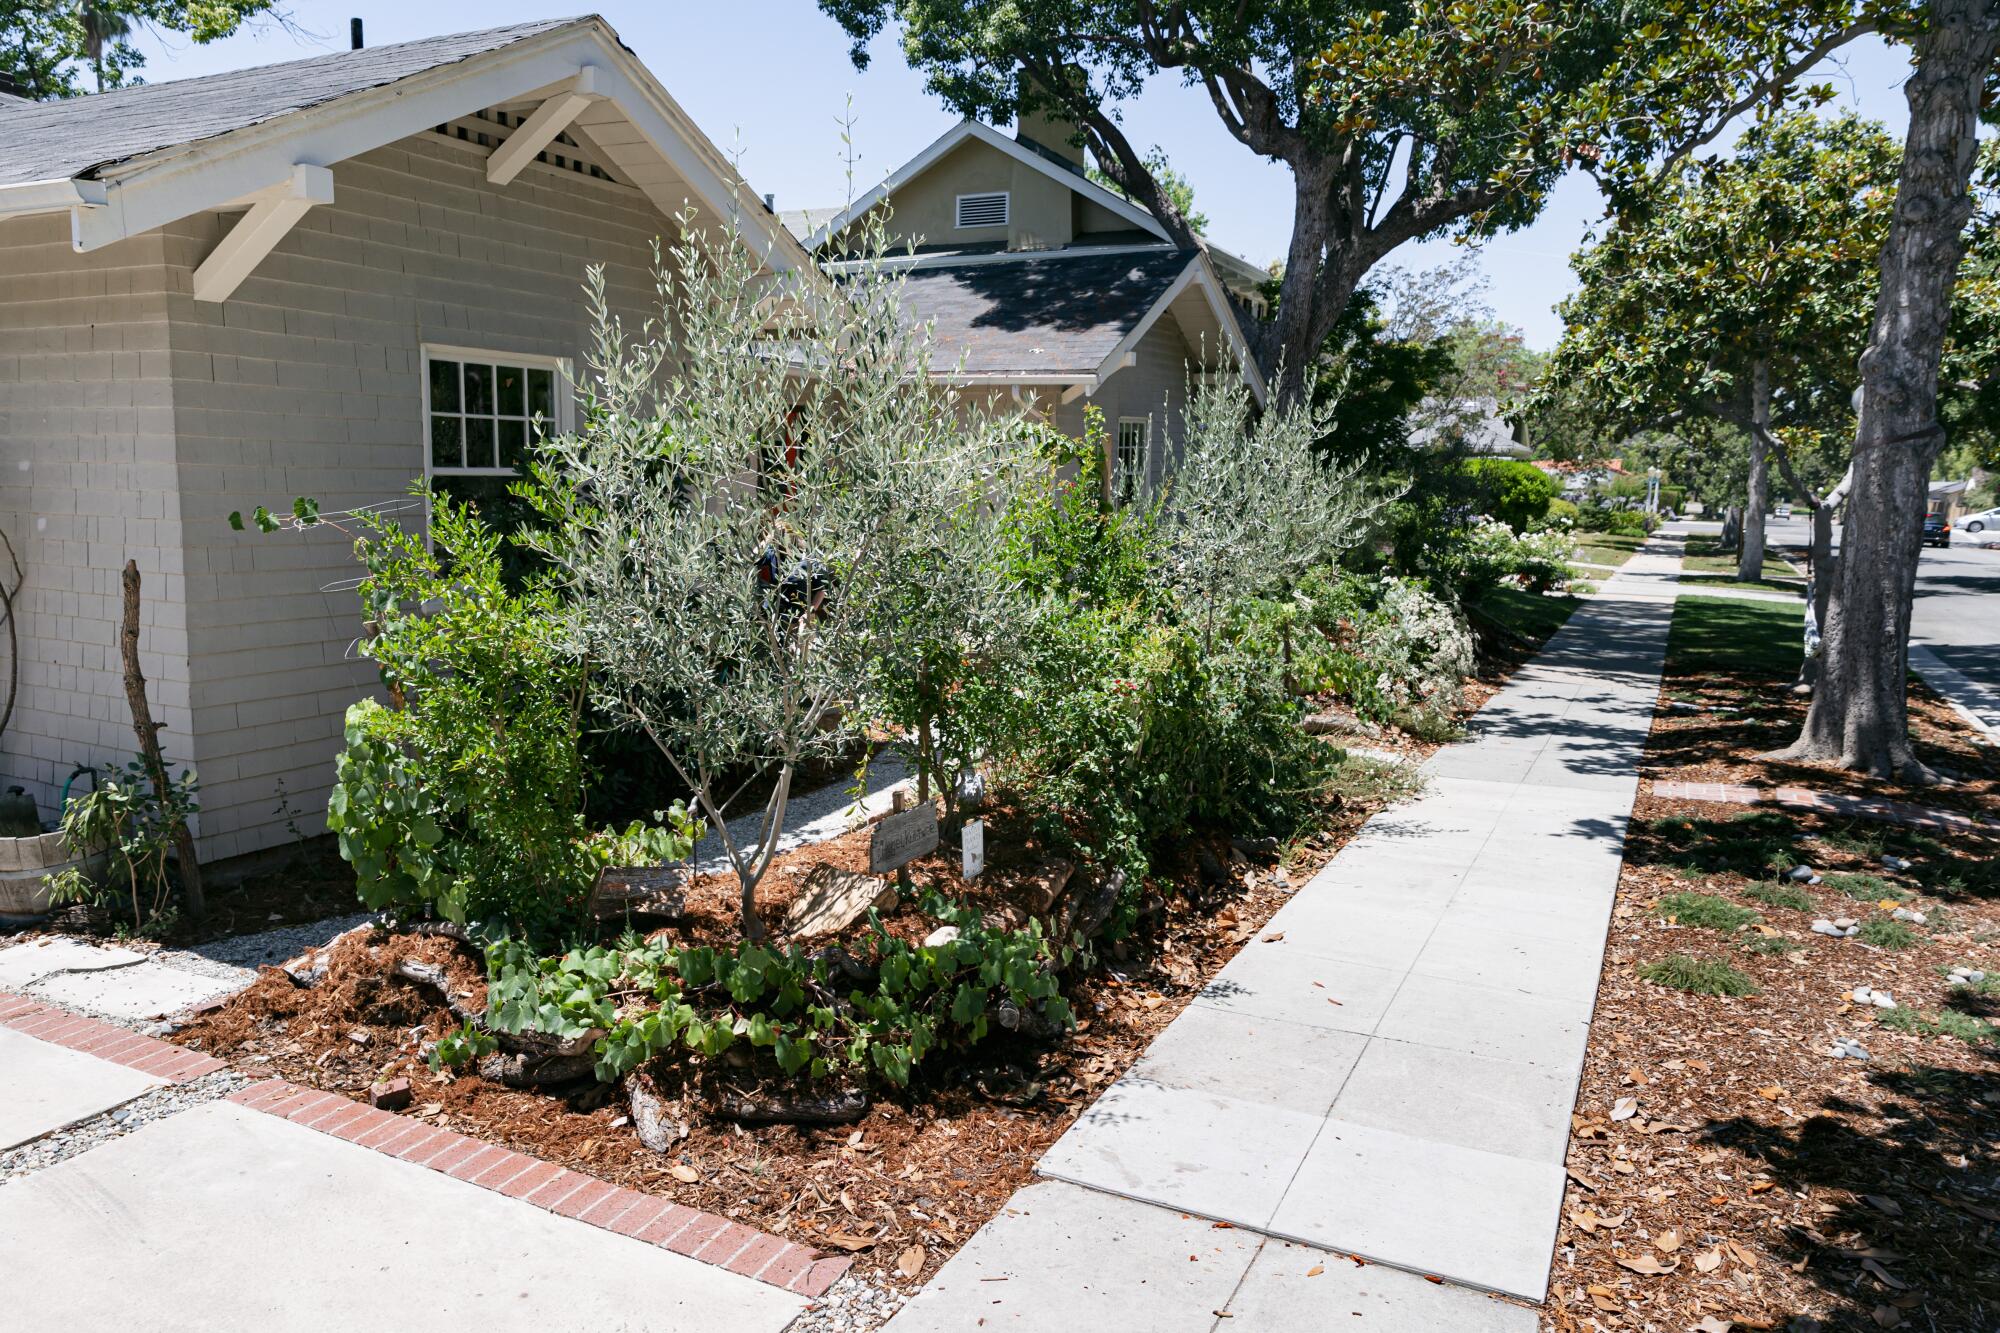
(753, 469)
(1253, 505)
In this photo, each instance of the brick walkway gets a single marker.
(1824, 802)
(106, 1041)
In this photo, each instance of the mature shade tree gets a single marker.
(1739, 292)
(1859, 715)
(1397, 122)
(47, 45)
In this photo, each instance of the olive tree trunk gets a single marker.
(1750, 548)
(1859, 716)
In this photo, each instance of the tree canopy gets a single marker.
(1396, 122)
(47, 49)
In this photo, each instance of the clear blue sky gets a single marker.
(771, 78)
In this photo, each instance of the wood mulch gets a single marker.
(1726, 1171)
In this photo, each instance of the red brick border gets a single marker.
(1804, 798)
(107, 1041)
(644, 1217)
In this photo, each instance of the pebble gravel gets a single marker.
(852, 1305)
(267, 948)
(161, 1102)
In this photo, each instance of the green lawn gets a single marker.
(1729, 635)
(1533, 616)
(1606, 548)
(1704, 555)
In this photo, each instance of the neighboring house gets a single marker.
(331, 278)
(1580, 479)
(1947, 499)
(1045, 290)
(1475, 425)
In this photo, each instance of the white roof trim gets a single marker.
(957, 259)
(986, 134)
(164, 186)
(1197, 273)
(50, 196)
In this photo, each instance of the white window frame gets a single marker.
(1006, 198)
(562, 419)
(1120, 493)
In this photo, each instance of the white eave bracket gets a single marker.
(272, 214)
(539, 130)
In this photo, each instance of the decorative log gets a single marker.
(649, 1114)
(846, 966)
(838, 1108)
(149, 742)
(519, 1069)
(1090, 906)
(430, 974)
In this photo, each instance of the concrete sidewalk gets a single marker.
(1386, 1071)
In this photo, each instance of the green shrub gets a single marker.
(1516, 493)
(1704, 910)
(1780, 894)
(464, 793)
(125, 817)
(1703, 976)
(1561, 514)
(1618, 522)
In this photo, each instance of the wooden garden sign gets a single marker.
(641, 890)
(902, 837)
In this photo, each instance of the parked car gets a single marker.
(1783, 511)
(1937, 530)
(1981, 521)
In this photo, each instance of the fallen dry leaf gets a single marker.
(911, 1261)
(1648, 1264)
(1625, 1108)
(684, 1173)
(1710, 1324)
(1772, 1093)
(847, 1240)
(1667, 1241)
(1315, 1270)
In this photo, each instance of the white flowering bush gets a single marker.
(1416, 652)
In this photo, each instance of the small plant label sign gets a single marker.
(620, 888)
(903, 837)
(972, 844)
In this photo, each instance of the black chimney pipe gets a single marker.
(354, 34)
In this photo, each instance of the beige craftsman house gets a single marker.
(328, 278)
(1045, 289)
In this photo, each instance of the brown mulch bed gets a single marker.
(923, 1168)
(1726, 1171)
(1703, 745)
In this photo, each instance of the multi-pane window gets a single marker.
(483, 412)
(1128, 472)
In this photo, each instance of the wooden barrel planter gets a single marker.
(24, 864)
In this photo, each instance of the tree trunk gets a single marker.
(1315, 289)
(149, 742)
(1750, 550)
(1859, 716)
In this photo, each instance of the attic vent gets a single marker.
(982, 210)
(490, 128)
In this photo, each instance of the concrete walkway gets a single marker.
(1387, 1071)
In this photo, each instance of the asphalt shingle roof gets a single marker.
(1050, 314)
(50, 140)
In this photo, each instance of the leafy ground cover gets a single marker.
(1727, 1171)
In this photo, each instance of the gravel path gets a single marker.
(852, 1305)
(267, 948)
(815, 816)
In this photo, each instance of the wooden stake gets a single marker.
(149, 742)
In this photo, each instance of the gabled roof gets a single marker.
(127, 161)
(986, 134)
(1062, 317)
(78, 136)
